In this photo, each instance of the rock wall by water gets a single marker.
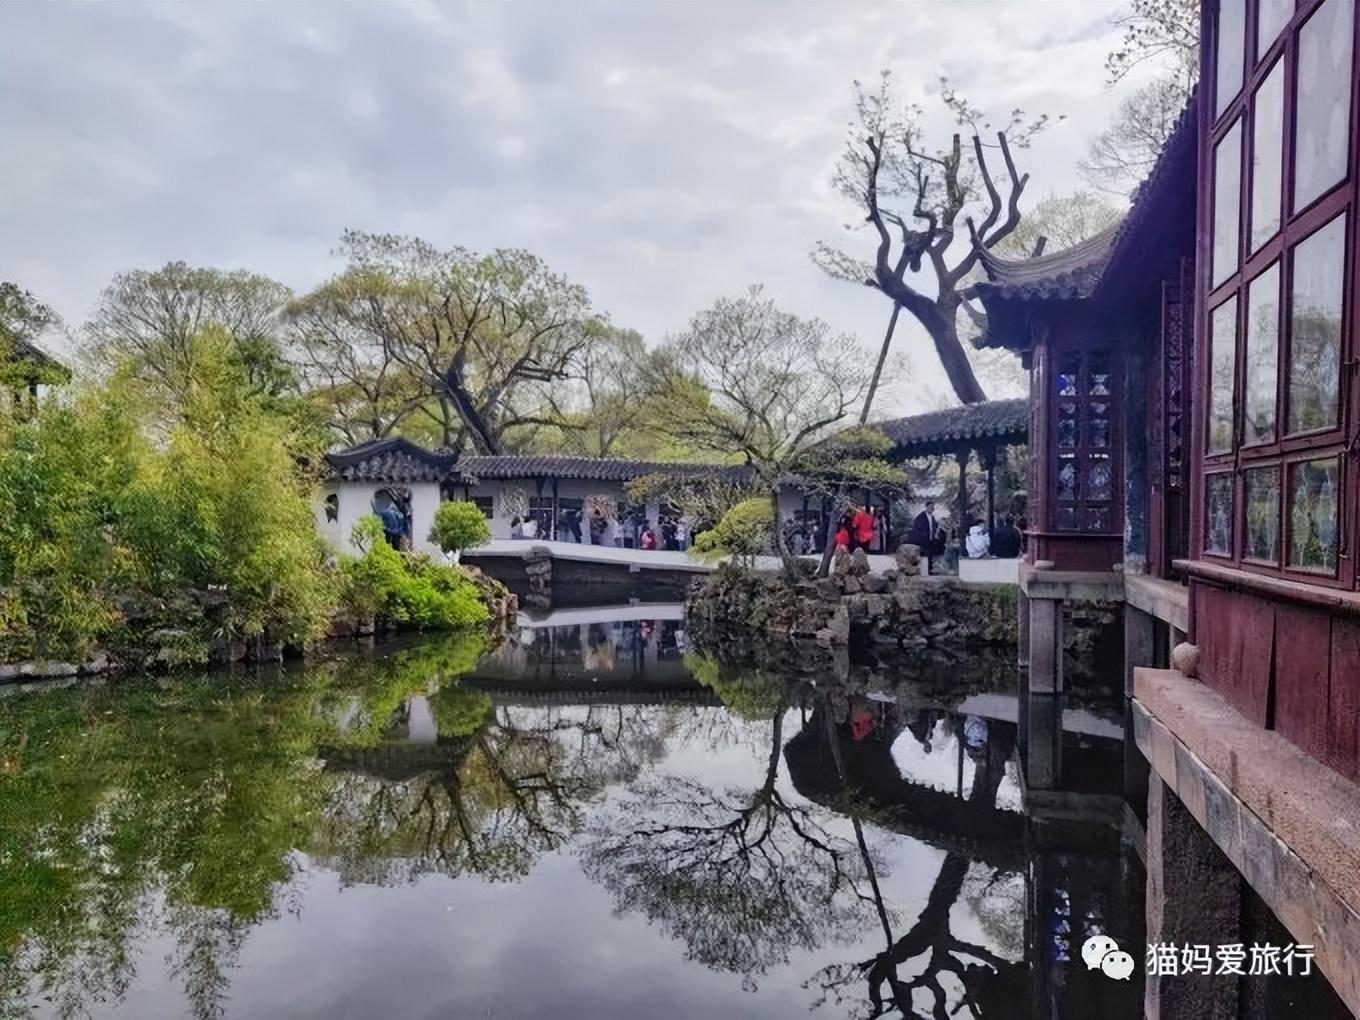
(898, 607)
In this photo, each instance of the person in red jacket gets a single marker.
(862, 524)
(843, 537)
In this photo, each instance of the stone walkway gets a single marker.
(646, 559)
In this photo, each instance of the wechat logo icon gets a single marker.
(1103, 952)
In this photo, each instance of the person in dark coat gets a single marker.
(1006, 541)
(925, 530)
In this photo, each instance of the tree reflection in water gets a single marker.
(986, 984)
(742, 877)
(188, 809)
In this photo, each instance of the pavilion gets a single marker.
(26, 367)
(984, 429)
(1193, 451)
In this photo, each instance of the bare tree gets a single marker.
(916, 198)
(350, 372)
(606, 396)
(749, 379)
(1123, 154)
(1164, 33)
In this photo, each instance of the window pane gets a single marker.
(1271, 17)
(1266, 154)
(1222, 361)
(1067, 477)
(1312, 514)
(1232, 20)
(1098, 425)
(1099, 376)
(1322, 108)
(1098, 477)
(1263, 357)
(1262, 496)
(1218, 513)
(1315, 328)
(1227, 196)
(1067, 377)
(1067, 424)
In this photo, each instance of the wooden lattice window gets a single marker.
(1084, 467)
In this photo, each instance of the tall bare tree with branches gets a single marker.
(917, 198)
(749, 379)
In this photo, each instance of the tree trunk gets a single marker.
(476, 426)
(785, 555)
(828, 548)
(940, 320)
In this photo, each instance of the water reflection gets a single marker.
(604, 817)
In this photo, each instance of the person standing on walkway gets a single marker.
(924, 528)
(862, 528)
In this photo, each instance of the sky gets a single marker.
(661, 154)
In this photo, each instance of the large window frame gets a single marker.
(1282, 451)
(1084, 435)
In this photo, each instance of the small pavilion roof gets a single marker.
(24, 353)
(395, 459)
(1113, 265)
(992, 422)
(1070, 273)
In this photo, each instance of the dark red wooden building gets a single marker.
(1195, 435)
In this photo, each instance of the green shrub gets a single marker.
(113, 498)
(410, 590)
(744, 531)
(459, 525)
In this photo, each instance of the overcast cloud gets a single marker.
(661, 154)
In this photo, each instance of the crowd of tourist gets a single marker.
(859, 527)
(603, 527)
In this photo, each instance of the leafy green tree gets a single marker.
(458, 525)
(763, 384)
(460, 338)
(150, 319)
(743, 533)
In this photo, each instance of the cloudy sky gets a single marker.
(659, 153)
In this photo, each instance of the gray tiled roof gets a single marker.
(23, 351)
(1070, 273)
(938, 431)
(390, 460)
(596, 469)
(1076, 272)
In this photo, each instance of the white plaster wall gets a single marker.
(328, 529)
(424, 502)
(356, 501)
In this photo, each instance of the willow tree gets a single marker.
(917, 199)
(476, 333)
(749, 380)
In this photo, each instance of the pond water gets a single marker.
(594, 816)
